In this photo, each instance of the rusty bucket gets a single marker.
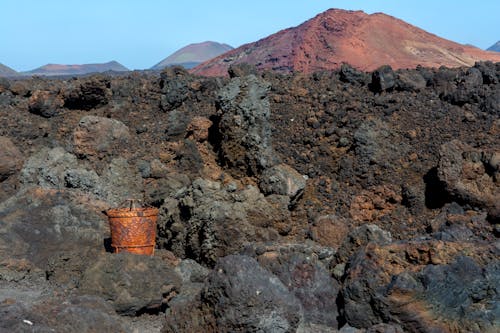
(133, 229)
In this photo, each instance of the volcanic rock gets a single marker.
(96, 137)
(246, 297)
(244, 126)
(471, 176)
(423, 286)
(130, 282)
(11, 159)
(45, 103)
(283, 180)
(87, 94)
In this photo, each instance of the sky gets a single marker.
(140, 33)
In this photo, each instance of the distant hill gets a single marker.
(7, 71)
(55, 69)
(495, 47)
(193, 54)
(338, 36)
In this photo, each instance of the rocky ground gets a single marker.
(339, 201)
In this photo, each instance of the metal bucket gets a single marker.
(133, 229)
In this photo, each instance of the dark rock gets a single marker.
(360, 237)
(39, 223)
(206, 221)
(407, 80)
(491, 103)
(488, 70)
(45, 103)
(283, 180)
(11, 159)
(401, 283)
(247, 298)
(88, 93)
(468, 176)
(174, 84)
(241, 70)
(352, 75)
(132, 283)
(383, 79)
(84, 314)
(308, 279)
(96, 137)
(244, 125)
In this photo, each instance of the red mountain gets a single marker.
(336, 36)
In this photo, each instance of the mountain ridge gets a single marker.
(61, 69)
(365, 41)
(193, 54)
(7, 71)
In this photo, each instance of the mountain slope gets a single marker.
(495, 47)
(336, 36)
(193, 54)
(7, 71)
(55, 69)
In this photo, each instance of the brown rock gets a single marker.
(372, 204)
(198, 129)
(330, 230)
(11, 159)
(98, 136)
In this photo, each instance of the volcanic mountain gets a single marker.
(339, 36)
(495, 47)
(7, 71)
(193, 55)
(55, 69)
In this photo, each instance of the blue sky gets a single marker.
(140, 33)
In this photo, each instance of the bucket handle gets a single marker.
(131, 204)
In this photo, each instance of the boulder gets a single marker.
(470, 176)
(131, 283)
(330, 230)
(247, 298)
(45, 103)
(244, 126)
(38, 224)
(87, 93)
(424, 286)
(207, 220)
(11, 159)
(383, 79)
(282, 179)
(96, 137)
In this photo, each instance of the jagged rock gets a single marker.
(11, 159)
(174, 84)
(470, 176)
(87, 93)
(360, 237)
(45, 103)
(198, 129)
(283, 180)
(307, 277)
(38, 223)
(207, 221)
(352, 75)
(372, 204)
(96, 137)
(57, 169)
(407, 80)
(244, 125)
(402, 283)
(247, 298)
(132, 283)
(241, 70)
(383, 79)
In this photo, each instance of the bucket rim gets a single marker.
(132, 212)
